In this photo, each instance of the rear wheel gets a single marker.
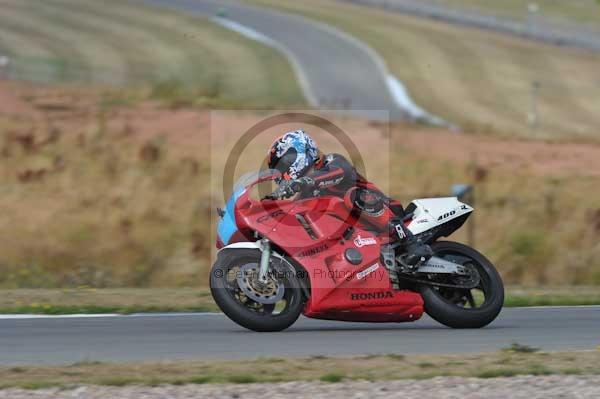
(465, 308)
(270, 306)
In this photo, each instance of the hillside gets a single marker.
(177, 57)
(112, 195)
(483, 81)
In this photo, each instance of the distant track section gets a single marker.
(335, 70)
(539, 30)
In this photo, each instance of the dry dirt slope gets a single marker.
(122, 193)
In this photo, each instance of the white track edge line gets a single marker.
(184, 314)
(266, 40)
(392, 82)
(101, 315)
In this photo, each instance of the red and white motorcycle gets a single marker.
(317, 256)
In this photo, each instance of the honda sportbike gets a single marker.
(323, 258)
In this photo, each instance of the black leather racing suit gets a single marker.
(333, 174)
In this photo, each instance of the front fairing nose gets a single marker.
(227, 225)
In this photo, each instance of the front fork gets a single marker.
(265, 257)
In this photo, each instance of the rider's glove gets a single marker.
(284, 190)
(288, 188)
(305, 181)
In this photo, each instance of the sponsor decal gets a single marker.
(367, 271)
(422, 221)
(434, 265)
(328, 183)
(273, 215)
(371, 295)
(313, 251)
(400, 232)
(362, 242)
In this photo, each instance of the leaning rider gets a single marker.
(310, 173)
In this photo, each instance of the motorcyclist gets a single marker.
(307, 172)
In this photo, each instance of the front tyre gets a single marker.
(271, 306)
(465, 308)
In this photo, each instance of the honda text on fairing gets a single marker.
(319, 257)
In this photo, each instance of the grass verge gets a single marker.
(90, 300)
(317, 368)
(139, 300)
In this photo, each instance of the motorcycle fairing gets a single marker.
(227, 226)
(433, 212)
(339, 290)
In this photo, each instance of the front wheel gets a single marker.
(464, 308)
(259, 306)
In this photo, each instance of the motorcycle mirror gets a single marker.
(460, 190)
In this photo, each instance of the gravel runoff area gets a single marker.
(528, 387)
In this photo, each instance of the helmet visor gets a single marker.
(284, 163)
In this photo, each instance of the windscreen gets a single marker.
(252, 177)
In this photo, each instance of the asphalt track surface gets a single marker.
(64, 340)
(335, 70)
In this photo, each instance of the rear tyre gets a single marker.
(462, 308)
(246, 305)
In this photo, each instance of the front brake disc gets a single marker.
(267, 293)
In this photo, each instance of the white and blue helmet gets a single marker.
(292, 154)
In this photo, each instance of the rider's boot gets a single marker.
(415, 251)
